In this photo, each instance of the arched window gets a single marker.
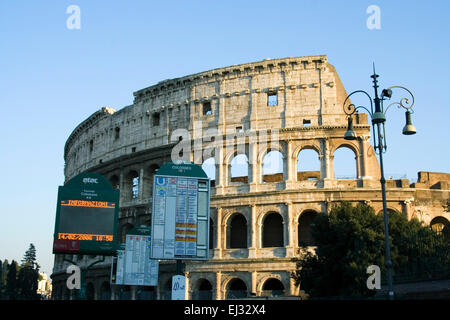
(237, 232)
(239, 168)
(114, 180)
(438, 224)
(273, 286)
(344, 163)
(204, 291)
(135, 188)
(132, 185)
(305, 237)
(209, 166)
(272, 235)
(272, 169)
(308, 165)
(236, 289)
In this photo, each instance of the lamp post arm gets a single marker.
(405, 103)
(351, 108)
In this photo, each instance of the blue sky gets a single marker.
(52, 78)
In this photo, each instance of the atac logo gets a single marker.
(160, 181)
(90, 180)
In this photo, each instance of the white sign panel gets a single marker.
(134, 266)
(180, 218)
(178, 287)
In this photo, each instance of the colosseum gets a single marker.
(235, 117)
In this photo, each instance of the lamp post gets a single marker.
(378, 114)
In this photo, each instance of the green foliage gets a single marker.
(27, 279)
(11, 290)
(351, 238)
(20, 282)
(29, 258)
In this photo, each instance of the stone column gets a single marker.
(364, 147)
(291, 177)
(290, 229)
(254, 282)
(252, 250)
(253, 172)
(406, 208)
(141, 184)
(295, 291)
(219, 286)
(121, 187)
(218, 253)
(187, 288)
(326, 163)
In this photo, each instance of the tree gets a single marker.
(351, 238)
(29, 258)
(11, 281)
(29, 275)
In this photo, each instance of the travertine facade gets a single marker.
(258, 221)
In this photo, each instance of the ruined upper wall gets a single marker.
(307, 91)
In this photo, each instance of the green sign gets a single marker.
(86, 216)
(182, 170)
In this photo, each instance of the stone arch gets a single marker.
(115, 181)
(236, 288)
(131, 184)
(389, 210)
(312, 145)
(270, 148)
(239, 168)
(305, 220)
(274, 286)
(438, 224)
(308, 163)
(237, 231)
(343, 170)
(203, 290)
(272, 166)
(272, 234)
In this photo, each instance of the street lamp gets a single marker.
(378, 114)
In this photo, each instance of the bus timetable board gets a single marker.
(133, 265)
(180, 213)
(86, 216)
